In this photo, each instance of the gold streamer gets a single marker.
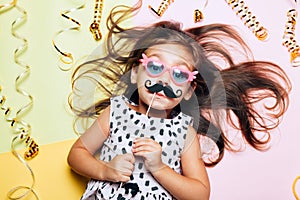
(289, 39)
(95, 26)
(17, 52)
(66, 58)
(21, 127)
(294, 188)
(27, 189)
(242, 10)
(198, 15)
(7, 6)
(162, 7)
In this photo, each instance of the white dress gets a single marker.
(126, 125)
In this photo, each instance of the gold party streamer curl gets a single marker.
(289, 37)
(7, 6)
(30, 189)
(66, 58)
(32, 151)
(243, 11)
(294, 188)
(95, 25)
(18, 51)
(162, 7)
(198, 15)
(23, 128)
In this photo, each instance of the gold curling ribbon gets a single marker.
(95, 25)
(294, 188)
(243, 11)
(162, 7)
(21, 77)
(22, 128)
(5, 7)
(66, 58)
(27, 189)
(289, 38)
(198, 15)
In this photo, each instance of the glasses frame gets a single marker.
(145, 60)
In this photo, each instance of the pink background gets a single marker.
(251, 174)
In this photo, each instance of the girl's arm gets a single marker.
(81, 156)
(82, 160)
(193, 183)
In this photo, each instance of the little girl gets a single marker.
(162, 87)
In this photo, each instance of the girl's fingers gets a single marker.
(144, 142)
(129, 157)
(125, 179)
(127, 172)
(143, 147)
(129, 162)
(141, 150)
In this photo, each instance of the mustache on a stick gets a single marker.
(157, 87)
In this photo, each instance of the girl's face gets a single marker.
(173, 68)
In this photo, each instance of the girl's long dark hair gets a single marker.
(227, 87)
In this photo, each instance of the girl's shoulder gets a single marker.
(121, 100)
(104, 118)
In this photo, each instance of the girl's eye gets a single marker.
(180, 76)
(155, 67)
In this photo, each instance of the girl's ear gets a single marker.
(190, 92)
(133, 76)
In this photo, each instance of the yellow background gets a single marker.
(50, 117)
(53, 177)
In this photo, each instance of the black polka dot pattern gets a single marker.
(126, 125)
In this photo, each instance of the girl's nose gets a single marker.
(165, 78)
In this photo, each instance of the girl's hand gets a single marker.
(151, 151)
(120, 168)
